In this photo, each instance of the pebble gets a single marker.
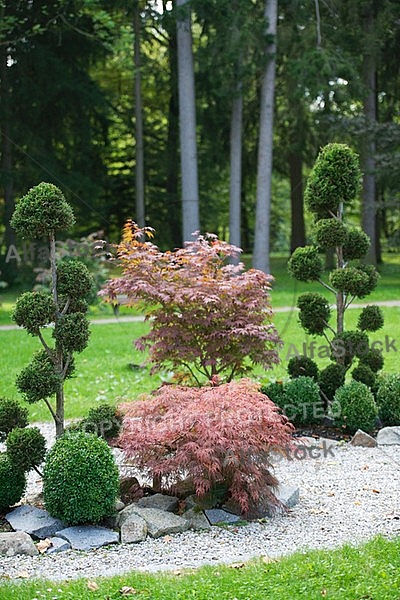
(348, 498)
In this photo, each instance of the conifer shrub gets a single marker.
(388, 399)
(358, 409)
(373, 359)
(306, 264)
(12, 483)
(331, 378)
(26, 448)
(302, 365)
(216, 436)
(314, 312)
(302, 401)
(80, 479)
(275, 392)
(370, 318)
(103, 420)
(364, 374)
(12, 414)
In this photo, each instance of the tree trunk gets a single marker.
(264, 163)
(298, 234)
(139, 168)
(187, 116)
(235, 188)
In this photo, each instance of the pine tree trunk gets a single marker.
(235, 189)
(264, 163)
(139, 143)
(298, 235)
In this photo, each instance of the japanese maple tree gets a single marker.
(209, 318)
(213, 435)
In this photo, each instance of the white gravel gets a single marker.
(350, 497)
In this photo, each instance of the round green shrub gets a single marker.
(314, 312)
(370, 319)
(349, 344)
(12, 415)
(75, 305)
(330, 233)
(34, 310)
(12, 483)
(275, 392)
(373, 359)
(364, 374)
(356, 244)
(72, 332)
(302, 365)
(73, 279)
(103, 421)
(335, 178)
(388, 399)
(357, 407)
(349, 280)
(80, 479)
(38, 380)
(306, 264)
(330, 379)
(42, 212)
(302, 401)
(26, 448)
(370, 284)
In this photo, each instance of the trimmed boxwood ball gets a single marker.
(34, 310)
(329, 233)
(373, 359)
(349, 344)
(72, 332)
(302, 401)
(364, 374)
(357, 406)
(12, 415)
(302, 365)
(314, 312)
(26, 448)
(388, 399)
(349, 280)
(275, 392)
(306, 264)
(104, 421)
(38, 379)
(330, 379)
(12, 483)
(371, 318)
(356, 244)
(373, 277)
(80, 479)
(73, 279)
(42, 212)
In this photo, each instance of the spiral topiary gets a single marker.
(358, 409)
(302, 365)
(388, 399)
(26, 448)
(305, 264)
(12, 415)
(80, 479)
(370, 318)
(12, 483)
(314, 312)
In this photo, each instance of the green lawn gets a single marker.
(370, 572)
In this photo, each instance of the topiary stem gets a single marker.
(59, 412)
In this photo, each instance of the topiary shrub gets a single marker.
(314, 312)
(12, 414)
(12, 483)
(306, 264)
(388, 399)
(80, 479)
(370, 318)
(358, 409)
(104, 421)
(302, 365)
(364, 374)
(330, 233)
(356, 244)
(330, 379)
(216, 436)
(26, 448)
(275, 392)
(373, 359)
(303, 404)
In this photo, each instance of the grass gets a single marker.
(370, 571)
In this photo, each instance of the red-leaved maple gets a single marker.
(208, 318)
(212, 435)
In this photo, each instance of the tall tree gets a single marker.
(139, 142)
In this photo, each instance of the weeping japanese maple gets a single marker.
(209, 318)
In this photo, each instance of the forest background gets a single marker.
(90, 93)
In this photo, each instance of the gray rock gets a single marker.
(58, 545)
(17, 542)
(35, 521)
(160, 501)
(196, 519)
(87, 537)
(218, 515)
(119, 505)
(360, 438)
(389, 436)
(159, 522)
(288, 495)
(133, 529)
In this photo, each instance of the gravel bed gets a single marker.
(349, 497)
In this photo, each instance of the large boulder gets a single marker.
(35, 521)
(159, 522)
(88, 537)
(160, 501)
(389, 436)
(17, 542)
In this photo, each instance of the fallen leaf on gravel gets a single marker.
(377, 491)
(357, 503)
(23, 574)
(126, 590)
(43, 545)
(92, 586)
(167, 538)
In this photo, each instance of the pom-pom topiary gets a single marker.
(364, 374)
(80, 479)
(72, 332)
(349, 344)
(314, 312)
(38, 380)
(349, 280)
(12, 483)
(370, 319)
(356, 244)
(302, 401)
(305, 264)
(370, 284)
(358, 409)
(388, 399)
(73, 279)
(12, 415)
(373, 359)
(103, 420)
(302, 365)
(330, 379)
(42, 212)
(26, 448)
(34, 310)
(330, 233)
